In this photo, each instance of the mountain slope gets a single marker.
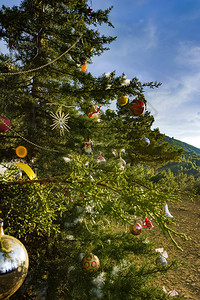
(189, 162)
(179, 144)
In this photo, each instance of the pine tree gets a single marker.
(76, 205)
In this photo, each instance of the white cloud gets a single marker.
(178, 108)
(188, 55)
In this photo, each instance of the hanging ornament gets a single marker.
(83, 61)
(14, 263)
(90, 263)
(87, 146)
(26, 169)
(122, 100)
(4, 124)
(10, 68)
(21, 151)
(137, 107)
(60, 121)
(136, 229)
(144, 142)
(100, 158)
(122, 163)
(147, 223)
(166, 210)
(84, 68)
(162, 259)
(89, 11)
(94, 113)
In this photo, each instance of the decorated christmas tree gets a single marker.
(72, 191)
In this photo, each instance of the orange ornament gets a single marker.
(84, 68)
(21, 151)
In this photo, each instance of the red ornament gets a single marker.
(137, 107)
(4, 124)
(136, 229)
(147, 223)
(89, 11)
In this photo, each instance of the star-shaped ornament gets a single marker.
(89, 11)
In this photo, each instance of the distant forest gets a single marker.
(183, 173)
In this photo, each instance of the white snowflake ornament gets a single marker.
(60, 121)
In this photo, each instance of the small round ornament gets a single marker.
(161, 261)
(21, 151)
(144, 142)
(136, 229)
(137, 107)
(90, 263)
(122, 100)
(14, 263)
(4, 124)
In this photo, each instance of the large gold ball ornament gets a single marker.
(122, 100)
(90, 263)
(14, 264)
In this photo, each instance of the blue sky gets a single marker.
(157, 40)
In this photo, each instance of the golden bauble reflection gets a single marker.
(14, 264)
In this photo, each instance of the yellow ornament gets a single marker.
(90, 263)
(122, 100)
(21, 151)
(26, 169)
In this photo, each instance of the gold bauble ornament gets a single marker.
(90, 263)
(122, 100)
(14, 264)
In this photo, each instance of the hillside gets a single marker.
(179, 144)
(189, 163)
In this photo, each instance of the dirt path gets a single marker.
(186, 280)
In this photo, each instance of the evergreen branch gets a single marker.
(173, 241)
(55, 180)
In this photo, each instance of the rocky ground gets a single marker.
(185, 280)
